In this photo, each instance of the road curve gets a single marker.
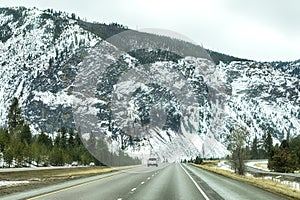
(173, 181)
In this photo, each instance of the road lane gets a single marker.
(171, 183)
(229, 188)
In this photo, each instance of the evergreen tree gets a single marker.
(57, 140)
(17, 149)
(41, 148)
(73, 16)
(77, 139)
(4, 139)
(285, 158)
(268, 144)
(295, 146)
(51, 62)
(27, 154)
(19, 136)
(71, 141)
(14, 117)
(254, 148)
(8, 155)
(44, 140)
(56, 157)
(198, 160)
(26, 135)
(63, 138)
(37, 152)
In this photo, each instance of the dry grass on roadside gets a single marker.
(47, 173)
(265, 184)
(89, 171)
(210, 163)
(92, 171)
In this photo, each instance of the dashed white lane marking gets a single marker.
(152, 174)
(133, 189)
(119, 199)
(195, 183)
(148, 178)
(142, 183)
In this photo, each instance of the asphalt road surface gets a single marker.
(172, 181)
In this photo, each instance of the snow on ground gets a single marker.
(224, 166)
(293, 184)
(261, 164)
(258, 164)
(12, 183)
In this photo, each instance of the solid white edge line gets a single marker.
(197, 186)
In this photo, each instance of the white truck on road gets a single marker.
(152, 162)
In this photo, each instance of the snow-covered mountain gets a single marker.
(144, 93)
(38, 53)
(263, 98)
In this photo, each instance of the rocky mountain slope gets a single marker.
(39, 51)
(145, 94)
(292, 68)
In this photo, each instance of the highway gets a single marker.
(168, 181)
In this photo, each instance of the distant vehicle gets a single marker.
(92, 164)
(152, 162)
(74, 163)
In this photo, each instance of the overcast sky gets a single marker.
(262, 30)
